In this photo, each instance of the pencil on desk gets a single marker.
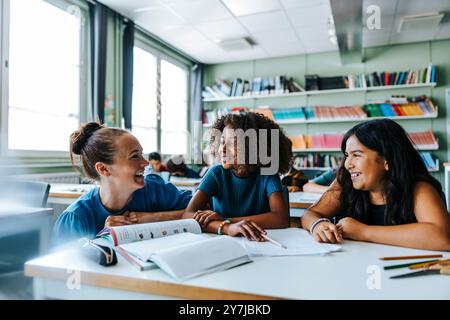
(412, 257)
(411, 264)
(273, 241)
(429, 264)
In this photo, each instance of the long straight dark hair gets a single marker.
(406, 168)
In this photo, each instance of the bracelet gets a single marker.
(311, 229)
(224, 222)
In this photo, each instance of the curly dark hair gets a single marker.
(256, 121)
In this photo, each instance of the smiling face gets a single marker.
(127, 171)
(366, 167)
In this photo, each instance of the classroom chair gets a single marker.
(17, 248)
(26, 193)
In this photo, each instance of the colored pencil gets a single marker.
(404, 265)
(412, 257)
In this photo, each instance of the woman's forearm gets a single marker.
(314, 187)
(145, 217)
(425, 236)
(308, 219)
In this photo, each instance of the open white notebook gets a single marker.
(297, 241)
(177, 247)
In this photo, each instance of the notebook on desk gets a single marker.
(178, 247)
(298, 242)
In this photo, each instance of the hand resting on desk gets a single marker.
(327, 232)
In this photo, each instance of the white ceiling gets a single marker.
(278, 27)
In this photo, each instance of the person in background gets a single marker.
(178, 168)
(321, 183)
(383, 193)
(155, 161)
(234, 198)
(114, 158)
(156, 165)
(294, 180)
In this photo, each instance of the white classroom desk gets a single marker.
(341, 275)
(300, 201)
(185, 183)
(64, 193)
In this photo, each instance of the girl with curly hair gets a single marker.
(243, 199)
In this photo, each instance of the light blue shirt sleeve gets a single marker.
(325, 179)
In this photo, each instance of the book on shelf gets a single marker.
(283, 114)
(396, 106)
(282, 84)
(424, 140)
(325, 161)
(312, 82)
(317, 141)
(328, 161)
(430, 163)
(178, 247)
(298, 142)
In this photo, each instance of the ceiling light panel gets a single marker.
(247, 7)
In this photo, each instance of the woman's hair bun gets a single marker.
(80, 137)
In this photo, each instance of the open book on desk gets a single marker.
(178, 247)
(297, 241)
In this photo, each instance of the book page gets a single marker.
(144, 249)
(147, 231)
(298, 242)
(195, 259)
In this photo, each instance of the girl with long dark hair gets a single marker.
(383, 193)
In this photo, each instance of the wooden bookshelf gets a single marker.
(321, 92)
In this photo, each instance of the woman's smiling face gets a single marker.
(129, 163)
(366, 167)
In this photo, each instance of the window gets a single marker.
(45, 72)
(174, 109)
(168, 133)
(144, 115)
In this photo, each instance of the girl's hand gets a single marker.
(246, 228)
(132, 217)
(327, 232)
(204, 217)
(351, 228)
(115, 221)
